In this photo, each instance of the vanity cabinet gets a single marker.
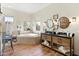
(61, 44)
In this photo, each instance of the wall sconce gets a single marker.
(74, 19)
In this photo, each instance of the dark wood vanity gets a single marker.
(62, 44)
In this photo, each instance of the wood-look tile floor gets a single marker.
(29, 50)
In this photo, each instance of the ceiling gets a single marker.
(26, 7)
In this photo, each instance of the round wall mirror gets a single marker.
(49, 23)
(64, 22)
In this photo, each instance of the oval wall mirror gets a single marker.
(64, 22)
(49, 23)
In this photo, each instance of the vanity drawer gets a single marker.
(49, 38)
(65, 42)
(57, 40)
(43, 36)
(46, 37)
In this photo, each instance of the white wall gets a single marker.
(68, 10)
(19, 17)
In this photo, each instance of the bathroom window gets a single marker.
(8, 18)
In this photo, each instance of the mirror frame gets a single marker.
(64, 22)
(48, 24)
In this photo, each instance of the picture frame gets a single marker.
(50, 23)
(73, 19)
(55, 16)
